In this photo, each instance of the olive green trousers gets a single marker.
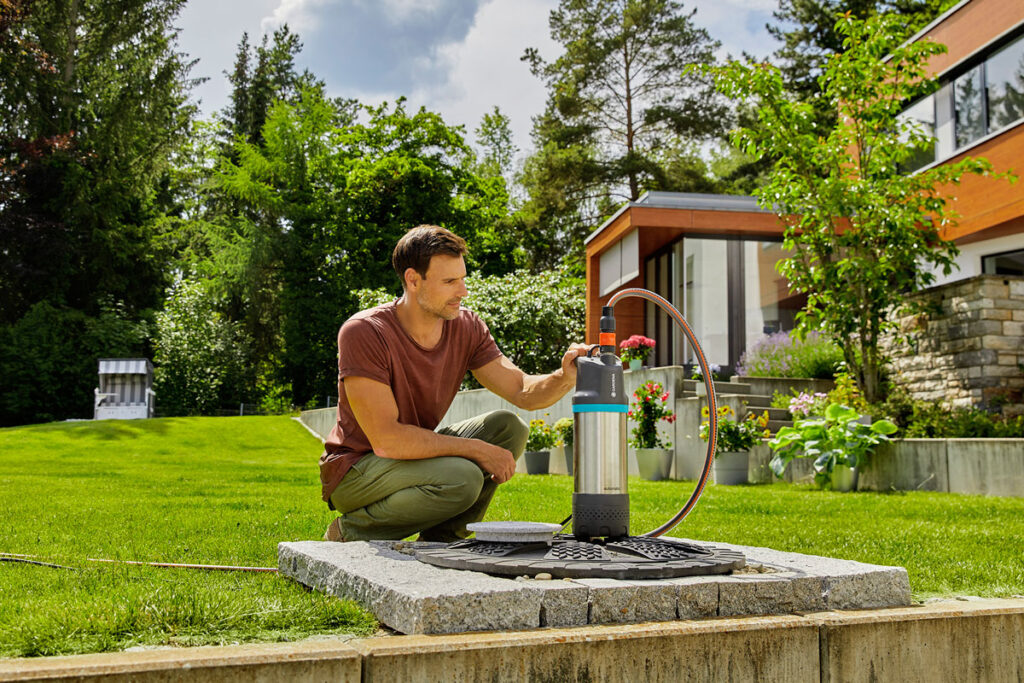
(384, 498)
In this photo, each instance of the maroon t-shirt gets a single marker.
(373, 344)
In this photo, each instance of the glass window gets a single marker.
(705, 304)
(969, 107)
(769, 305)
(1009, 263)
(1004, 76)
(921, 117)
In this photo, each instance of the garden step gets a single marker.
(775, 425)
(690, 386)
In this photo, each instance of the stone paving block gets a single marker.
(696, 597)
(844, 584)
(769, 594)
(614, 601)
(563, 602)
(410, 596)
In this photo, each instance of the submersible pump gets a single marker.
(600, 544)
(600, 499)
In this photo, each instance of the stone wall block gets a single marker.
(1001, 343)
(1013, 329)
(906, 465)
(997, 314)
(986, 356)
(995, 289)
(984, 327)
(1009, 304)
(993, 467)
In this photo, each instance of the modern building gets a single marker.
(714, 256)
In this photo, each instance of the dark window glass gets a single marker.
(969, 107)
(1004, 76)
(920, 115)
(1010, 263)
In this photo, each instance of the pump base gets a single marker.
(604, 515)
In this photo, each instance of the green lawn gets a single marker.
(227, 490)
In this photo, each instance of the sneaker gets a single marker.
(333, 532)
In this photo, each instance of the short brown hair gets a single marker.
(421, 244)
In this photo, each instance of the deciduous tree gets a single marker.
(863, 234)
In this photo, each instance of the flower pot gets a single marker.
(844, 478)
(636, 364)
(654, 464)
(537, 461)
(568, 458)
(731, 467)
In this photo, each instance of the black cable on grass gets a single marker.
(38, 564)
(10, 557)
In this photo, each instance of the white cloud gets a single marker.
(485, 69)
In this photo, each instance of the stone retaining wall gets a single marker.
(970, 350)
(946, 641)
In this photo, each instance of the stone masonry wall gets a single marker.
(970, 351)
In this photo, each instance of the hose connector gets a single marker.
(607, 339)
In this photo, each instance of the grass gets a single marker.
(190, 490)
(227, 490)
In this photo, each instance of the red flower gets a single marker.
(664, 397)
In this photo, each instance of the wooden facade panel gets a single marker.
(984, 203)
(972, 27)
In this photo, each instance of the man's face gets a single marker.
(442, 290)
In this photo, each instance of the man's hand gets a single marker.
(495, 460)
(569, 361)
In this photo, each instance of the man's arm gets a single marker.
(530, 392)
(373, 405)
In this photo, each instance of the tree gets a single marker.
(89, 117)
(863, 235)
(494, 138)
(617, 100)
(806, 29)
(330, 197)
(199, 354)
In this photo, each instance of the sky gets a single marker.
(456, 57)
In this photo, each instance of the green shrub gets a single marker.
(782, 355)
(930, 420)
(199, 354)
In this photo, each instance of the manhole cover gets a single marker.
(635, 557)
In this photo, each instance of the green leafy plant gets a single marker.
(565, 429)
(636, 347)
(847, 393)
(735, 435)
(835, 439)
(542, 436)
(647, 409)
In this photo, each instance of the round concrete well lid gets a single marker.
(514, 532)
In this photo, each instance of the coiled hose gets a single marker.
(709, 385)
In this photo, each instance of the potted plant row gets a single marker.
(653, 454)
(734, 440)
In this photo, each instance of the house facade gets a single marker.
(714, 256)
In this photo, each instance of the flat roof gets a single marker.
(684, 200)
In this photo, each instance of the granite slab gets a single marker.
(416, 598)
